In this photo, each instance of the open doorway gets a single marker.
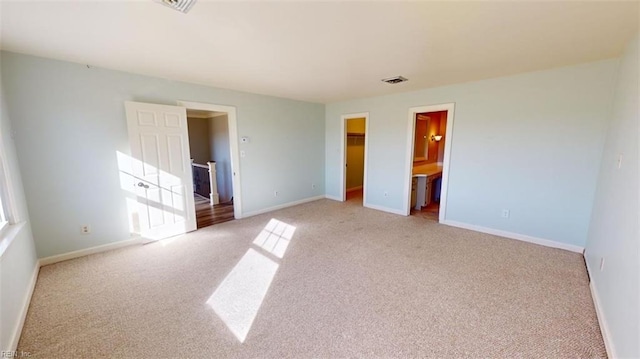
(213, 147)
(428, 159)
(354, 156)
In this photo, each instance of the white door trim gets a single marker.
(233, 143)
(343, 149)
(449, 107)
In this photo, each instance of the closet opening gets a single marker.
(355, 150)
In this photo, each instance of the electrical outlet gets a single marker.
(275, 193)
(85, 229)
(601, 264)
(505, 213)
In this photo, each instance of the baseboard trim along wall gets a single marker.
(385, 209)
(87, 251)
(354, 189)
(281, 206)
(520, 237)
(25, 307)
(333, 198)
(602, 320)
(139, 240)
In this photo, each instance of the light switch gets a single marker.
(242, 154)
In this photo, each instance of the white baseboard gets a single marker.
(15, 338)
(281, 206)
(87, 251)
(385, 209)
(354, 189)
(602, 321)
(518, 236)
(334, 198)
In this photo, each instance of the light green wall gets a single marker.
(19, 261)
(70, 122)
(614, 233)
(529, 143)
(199, 145)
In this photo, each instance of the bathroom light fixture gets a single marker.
(436, 138)
(181, 5)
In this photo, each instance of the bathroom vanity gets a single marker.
(422, 184)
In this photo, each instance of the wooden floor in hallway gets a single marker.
(207, 215)
(430, 212)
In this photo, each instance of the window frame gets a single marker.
(7, 212)
(4, 223)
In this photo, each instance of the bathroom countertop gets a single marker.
(426, 170)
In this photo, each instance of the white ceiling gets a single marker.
(321, 52)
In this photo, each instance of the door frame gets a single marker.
(343, 148)
(411, 129)
(233, 143)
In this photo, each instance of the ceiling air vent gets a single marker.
(180, 5)
(395, 80)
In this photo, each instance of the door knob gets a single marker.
(140, 184)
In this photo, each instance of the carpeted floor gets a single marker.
(352, 282)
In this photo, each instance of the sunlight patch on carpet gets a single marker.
(275, 237)
(239, 297)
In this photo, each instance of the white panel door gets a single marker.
(161, 169)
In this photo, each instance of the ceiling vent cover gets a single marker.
(395, 80)
(180, 5)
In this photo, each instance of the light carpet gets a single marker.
(352, 282)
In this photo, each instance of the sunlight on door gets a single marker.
(156, 203)
(239, 297)
(161, 169)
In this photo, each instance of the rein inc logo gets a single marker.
(15, 354)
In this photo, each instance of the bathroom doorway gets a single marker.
(428, 160)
